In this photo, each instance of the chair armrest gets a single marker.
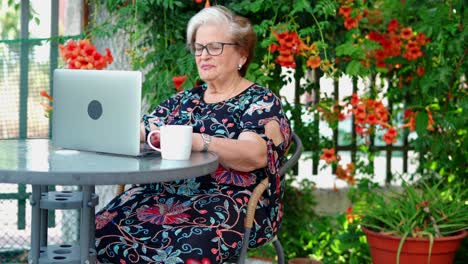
(120, 189)
(253, 201)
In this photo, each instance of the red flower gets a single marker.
(392, 25)
(178, 81)
(83, 55)
(420, 71)
(421, 39)
(329, 155)
(390, 136)
(273, 47)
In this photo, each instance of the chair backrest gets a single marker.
(257, 193)
(295, 157)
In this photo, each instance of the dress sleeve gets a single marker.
(163, 113)
(263, 109)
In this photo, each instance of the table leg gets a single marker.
(92, 237)
(85, 225)
(44, 219)
(35, 224)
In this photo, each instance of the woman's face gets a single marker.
(221, 67)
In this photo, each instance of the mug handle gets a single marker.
(148, 140)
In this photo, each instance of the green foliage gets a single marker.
(417, 210)
(9, 19)
(330, 239)
(296, 230)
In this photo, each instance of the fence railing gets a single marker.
(401, 148)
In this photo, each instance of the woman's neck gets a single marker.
(224, 87)
(223, 90)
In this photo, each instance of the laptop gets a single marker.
(98, 110)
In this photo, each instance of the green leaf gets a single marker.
(421, 122)
(354, 68)
(346, 49)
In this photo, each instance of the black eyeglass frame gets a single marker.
(205, 47)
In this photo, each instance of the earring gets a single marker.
(239, 67)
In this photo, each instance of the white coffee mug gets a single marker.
(175, 141)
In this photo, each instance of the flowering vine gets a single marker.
(83, 55)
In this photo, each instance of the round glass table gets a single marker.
(39, 163)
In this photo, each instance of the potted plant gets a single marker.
(419, 223)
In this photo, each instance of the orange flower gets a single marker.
(83, 55)
(390, 136)
(406, 33)
(350, 168)
(371, 119)
(345, 11)
(346, 174)
(354, 99)
(341, 173)
(329, 155)
(286, 61)
(44, 93)
(350, 215)
(413, 53)
(178, 81)
(351, 23)
(430, 121)
(313, 62)
(289, 45)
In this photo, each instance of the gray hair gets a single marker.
(240, 29)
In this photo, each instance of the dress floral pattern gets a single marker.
(200, 218)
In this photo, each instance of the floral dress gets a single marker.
(200, 218)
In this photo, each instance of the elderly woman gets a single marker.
(243, 123)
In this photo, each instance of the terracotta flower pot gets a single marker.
(384, 248)
(303, 261)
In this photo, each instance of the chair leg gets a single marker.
(279, 251)
(245, 245)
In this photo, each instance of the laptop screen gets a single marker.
(97, 110)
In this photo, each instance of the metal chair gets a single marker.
(252, 205)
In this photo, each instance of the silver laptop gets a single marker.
(98, 111)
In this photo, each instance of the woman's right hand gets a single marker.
(143, 131)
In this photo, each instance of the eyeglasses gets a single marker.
(213, 48)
